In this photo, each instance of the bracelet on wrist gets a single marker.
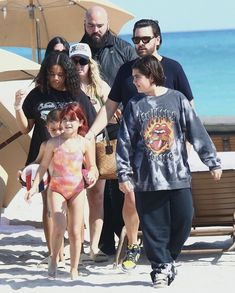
(18, 107)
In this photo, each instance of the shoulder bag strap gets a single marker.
(108, 147)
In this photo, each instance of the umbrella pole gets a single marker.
(39, 52)
(31, 11)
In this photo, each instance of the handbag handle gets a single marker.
(108, 147)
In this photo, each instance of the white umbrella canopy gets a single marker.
(32, 23)
(15, 67)
(13, 145)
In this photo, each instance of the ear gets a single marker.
(158, 41)
(151, 79)
(158, 38)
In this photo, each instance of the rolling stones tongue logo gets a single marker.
(158, 135)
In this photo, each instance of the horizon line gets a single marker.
(188, 31)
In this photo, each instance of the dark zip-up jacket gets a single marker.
(115, 53)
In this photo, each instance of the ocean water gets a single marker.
(208, 59)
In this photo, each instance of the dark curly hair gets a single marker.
(72, 83)
(150, 66)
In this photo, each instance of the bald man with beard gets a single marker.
(107, 49)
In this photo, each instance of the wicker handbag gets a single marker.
(106, 157)
(106, 154)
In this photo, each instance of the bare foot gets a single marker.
(52, 269)
(74, 274)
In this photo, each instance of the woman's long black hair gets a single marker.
(53, 42)
(72, 83)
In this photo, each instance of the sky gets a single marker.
(181, 15)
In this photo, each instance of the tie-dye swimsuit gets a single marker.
(67, 166)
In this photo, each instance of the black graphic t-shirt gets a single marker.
(37, 105)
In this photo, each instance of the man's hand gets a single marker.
(216, 174)
(126, 187)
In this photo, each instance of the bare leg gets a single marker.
(47, 221)
(83, 236)
(130, 218)
(61, 253)
(75, 226)
(58, 207)
(95, 197)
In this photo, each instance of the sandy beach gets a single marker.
(22, 247)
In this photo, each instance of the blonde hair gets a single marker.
(94, 89)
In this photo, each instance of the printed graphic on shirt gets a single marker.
(159, 135)
(45, 108)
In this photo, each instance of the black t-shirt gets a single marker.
(123, 88)
(37, 105)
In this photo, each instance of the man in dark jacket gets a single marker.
(110, 52)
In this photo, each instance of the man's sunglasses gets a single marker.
(145, 40)
(81, 61)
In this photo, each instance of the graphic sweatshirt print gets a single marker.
(151, 149)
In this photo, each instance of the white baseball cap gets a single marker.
(80, 49)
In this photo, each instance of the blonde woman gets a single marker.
(97, 89)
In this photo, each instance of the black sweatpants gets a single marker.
(165, 220)
(113, 204)
(113, 220)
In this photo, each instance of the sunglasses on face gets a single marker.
(81, 61)
(145, 40)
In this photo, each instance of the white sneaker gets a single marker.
(163, 275)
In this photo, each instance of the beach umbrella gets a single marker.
(32, 23)
(13, 149)
(15, 67)
(13, 146)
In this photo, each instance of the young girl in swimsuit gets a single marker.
(64, 156)
(54, 129)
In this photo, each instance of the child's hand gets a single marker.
(126, 187)
(29, 194)
(216, 174)
(90, 177)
